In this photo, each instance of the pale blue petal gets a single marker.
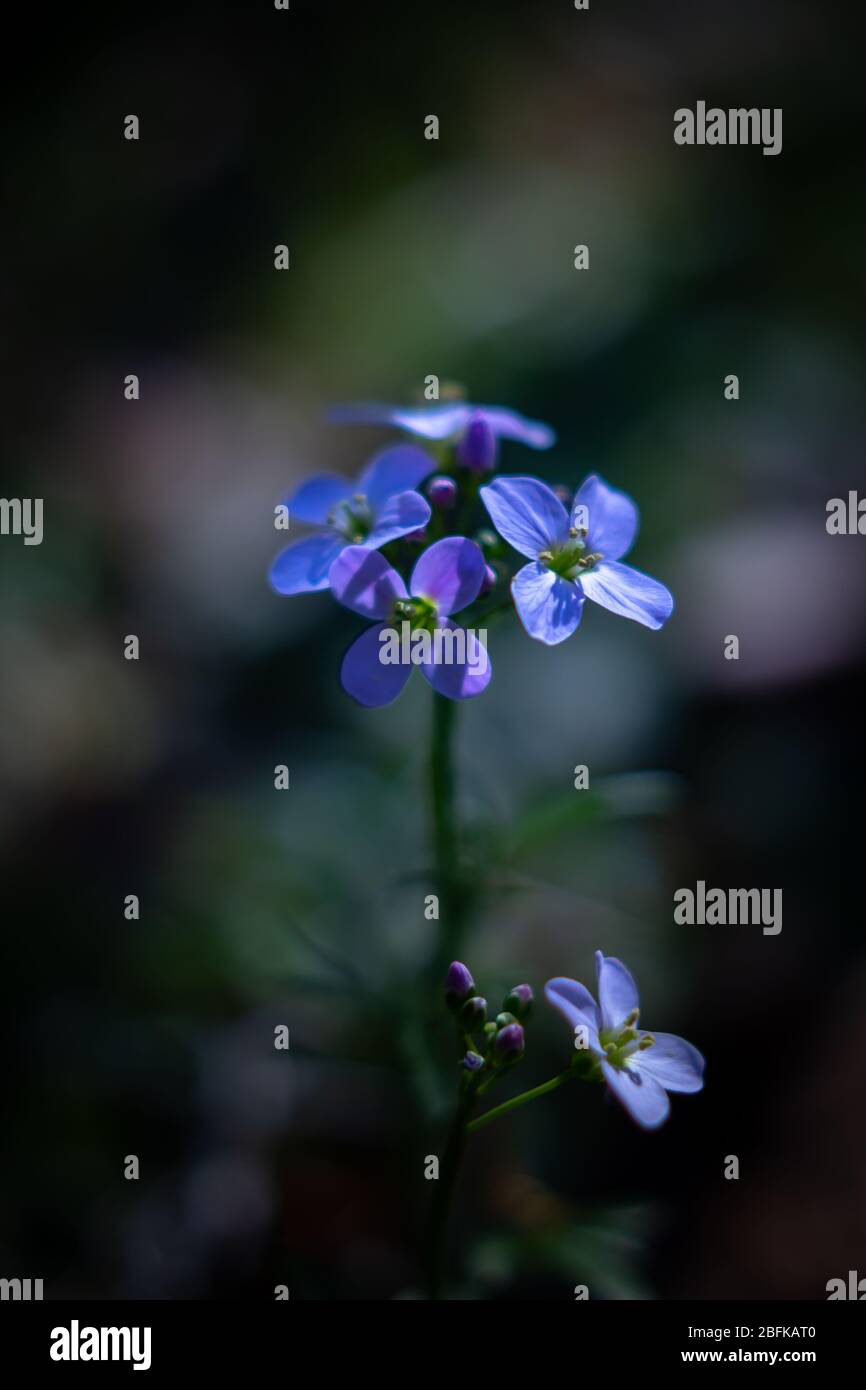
(446, 420)
(629, 593)
(673, 1063)
(314, 499)
(617, 991)
(548, 605)
(644, 1099)
(613, 517)
(526, 513)
(398, 516)
(398, 469)
(507, 424)
(577, 1006)
(430, 422)
(303, 568)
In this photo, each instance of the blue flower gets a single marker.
(380, 507)
(478, 427)
(447, 577)
(640, 1068)
(573, 556)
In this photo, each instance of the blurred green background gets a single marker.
(411, 257)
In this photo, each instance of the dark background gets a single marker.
(306, 908)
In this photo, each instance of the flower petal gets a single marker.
(303, 568)
(446, 420)
(460, 680)
(398, 516)
(644, 1099)
(617, 991)
(548, 605)
(313, 500)
(430, 422)
(629, 593)
(398, 469)
(449, 573)
(507, 424)
(673, 1063)
(577, 1006)
(526, 513)
(366, 677)
(362, 580)
(612, 517)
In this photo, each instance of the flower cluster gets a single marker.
(365, 537)
(487, 1045)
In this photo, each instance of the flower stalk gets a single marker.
(446, 867)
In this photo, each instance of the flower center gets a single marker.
(620, 1043)
(571, 559)
(353, 518)
(419, 612)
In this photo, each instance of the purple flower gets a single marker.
(451, 419)
(381, 506)
(414, 626)
(640, 1068)
(573, 556)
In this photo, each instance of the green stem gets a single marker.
(445, 842)
(570, 1074)
(444, 1193)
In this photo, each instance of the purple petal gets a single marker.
(398, 469)
(449, 574)
(629, 593)
(507, 424)
(673, 1063)
(303, 568)
(613, 517)
(644, 1099)
(313, 500)
(526, 513)
(577, 1006)
(548, 605)
(460, 681)
(398, 516)
(430, 422)
(367, 679)
(363, 580)
(617, 991)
